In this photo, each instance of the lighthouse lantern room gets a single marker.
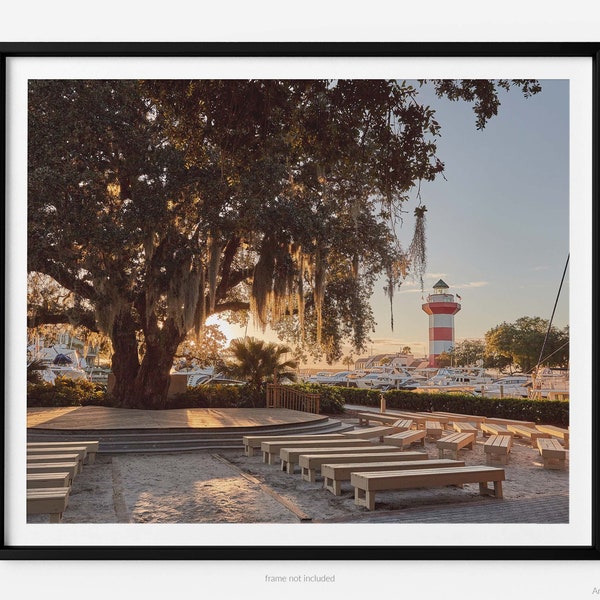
(441, 308)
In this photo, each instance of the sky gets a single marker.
(497, 222)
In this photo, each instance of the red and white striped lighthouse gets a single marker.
(441, 308)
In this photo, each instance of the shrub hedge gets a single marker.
(219, 396)
(77, 392)
(332, 400)
(67, 392)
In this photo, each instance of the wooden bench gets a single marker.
(406, 438)
(404, 424)
(335, 474)
(458, 417)
(418, 419)
(364, 418)
(311, 463)
(271, 450)
(253, 442)
(54, 467)
(499, 421)
(48, 480)
(557, 432)
(465, 427)
(368, 433)
(55, 458)
(366, 485)
(453, 442)
(488, 429)
(48, 501)
(81, 452)
(92, 447)
(497, 448)
(553, 454)
(531, 434)
(443, 419)
(388, 418)
(433, 430)
(290, 457)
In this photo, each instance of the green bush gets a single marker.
(67, 392)
(79, 392)
(331, 400)
(213, 396)
(360, 396)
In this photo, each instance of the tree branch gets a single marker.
(42, 316)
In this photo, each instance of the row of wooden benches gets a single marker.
(51, 468)
(373, 467)
(435, 423)
(497, 446)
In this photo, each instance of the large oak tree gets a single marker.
(159, 203)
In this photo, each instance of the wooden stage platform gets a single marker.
(98, 418)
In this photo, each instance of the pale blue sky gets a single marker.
(497, 225)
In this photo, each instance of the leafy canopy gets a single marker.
(159, 203)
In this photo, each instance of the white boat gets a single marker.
(58, 360)
(204, 376)
(551, 384)
(340, 379)
(372, 381)
(548, 384)
(456, 379)
(323, 377)
(510, 386)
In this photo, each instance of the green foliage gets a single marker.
(213, 396)
(468, 353)
(483, 93)
(359, 396)
(444, 359)
(521, 342)
(257, 361)
(331, 398)
(199, 197)
(67, 392)
(33, 371)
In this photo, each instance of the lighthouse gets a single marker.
(441, 308)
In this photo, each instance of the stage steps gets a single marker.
(173, 440)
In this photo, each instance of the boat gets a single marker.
(205, 376)
(456, 379)
(58, 360)
(341, 378)
(372, 381)
(510, 386)
(548, 383)
(322, 377)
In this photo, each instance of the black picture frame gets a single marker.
(549, 51)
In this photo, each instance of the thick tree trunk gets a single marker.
(125, 359)
(154, 374)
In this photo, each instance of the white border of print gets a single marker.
(576, 533)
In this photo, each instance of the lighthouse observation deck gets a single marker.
(440, 298)
(441, 304)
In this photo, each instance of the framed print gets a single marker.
(403, 234)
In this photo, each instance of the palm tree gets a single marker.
(257, 361)
(348, 361)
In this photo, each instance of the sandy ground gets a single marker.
(229, 487)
